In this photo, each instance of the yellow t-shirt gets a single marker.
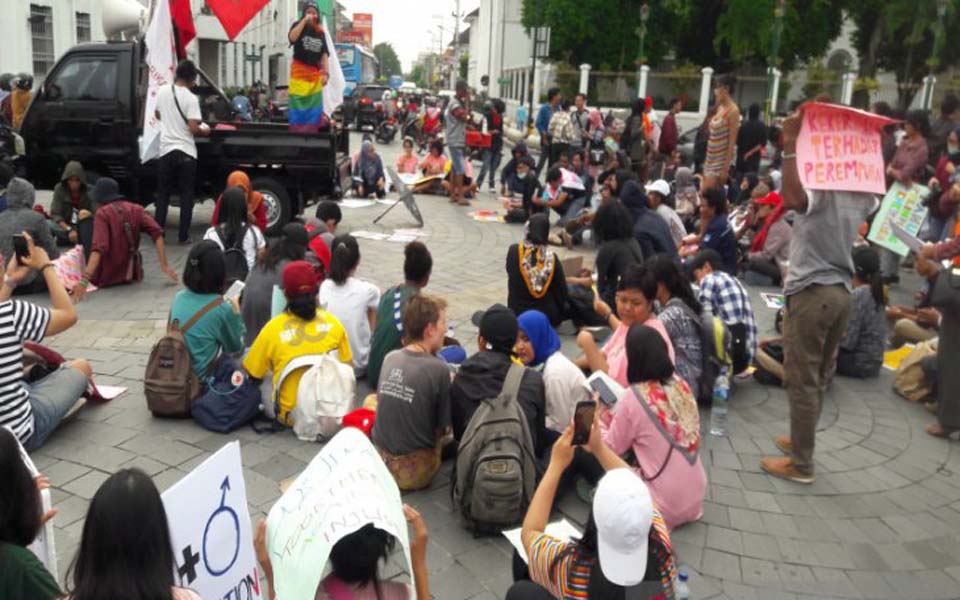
(286, 337)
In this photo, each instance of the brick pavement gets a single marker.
(881, 521)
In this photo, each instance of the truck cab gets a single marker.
(90, 109)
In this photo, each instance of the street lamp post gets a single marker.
(934, 61)
(774, 60)
(642, 32)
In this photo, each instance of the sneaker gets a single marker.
(783, 467)
(492, 191)
(784, 444)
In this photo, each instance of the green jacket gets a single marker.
(61, 209)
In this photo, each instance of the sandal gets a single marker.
(938, 430)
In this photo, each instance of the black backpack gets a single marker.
(235, 257)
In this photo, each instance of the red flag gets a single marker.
(183, 21)
(235, 14)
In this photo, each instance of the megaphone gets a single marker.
(122, 16)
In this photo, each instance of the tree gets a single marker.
(417, 76)
(898, 36)
(464, 65)
(389, 62)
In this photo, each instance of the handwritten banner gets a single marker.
(903, 206)
(210, 529)
(345, 487)
(839, 149)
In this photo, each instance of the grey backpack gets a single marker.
(496, 473)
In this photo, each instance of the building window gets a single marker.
(222, 59)
(83, 27)
(236, 63)
(41, 33)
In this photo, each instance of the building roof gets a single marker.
(472, 14)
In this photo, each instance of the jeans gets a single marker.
(491, 160)
(177, 170)
(813, 323)
(572, 208)
(544, 155)
(51, 398)
(457, 166)
(761, 272)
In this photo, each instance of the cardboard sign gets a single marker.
(210, 529)
(903, 206)
(42, 547)
(343, 488)
(839, 149)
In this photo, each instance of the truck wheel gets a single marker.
(277, 201)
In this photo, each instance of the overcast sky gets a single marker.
(409, 24)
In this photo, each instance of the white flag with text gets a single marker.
(161, 64)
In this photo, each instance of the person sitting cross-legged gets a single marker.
(117, 225)
(413, 397)
(33, 410)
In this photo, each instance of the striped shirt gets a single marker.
(570, 580)
(19, 322)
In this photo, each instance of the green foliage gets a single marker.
(819, 79)
(389, 62)
(464, 65)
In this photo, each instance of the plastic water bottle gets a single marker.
(683, 589)
(721, 396)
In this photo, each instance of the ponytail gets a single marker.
(877, 291)
(303, 306)
(344, 258)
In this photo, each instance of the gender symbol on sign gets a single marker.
(216, 570)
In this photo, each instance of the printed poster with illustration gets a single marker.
(903, 206)
(839, 149)
(343, 488)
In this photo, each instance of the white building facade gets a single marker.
(499, 48)
(36, 33)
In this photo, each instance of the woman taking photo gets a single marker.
(21, 517)
(351, 300)
(233, 230)
(723, 128)
(680, 312)
(535, 278)
(656, 419)
(125, 550)
(214, 324)
(625, 551)
(257, 298)
(302, 329)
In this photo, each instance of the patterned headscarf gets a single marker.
(537, 262)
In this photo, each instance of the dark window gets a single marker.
(84, 78)
(83, 27)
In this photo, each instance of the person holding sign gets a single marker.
(125, 550)
(22, 575)
(817, 290)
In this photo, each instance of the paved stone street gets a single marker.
(882, 519)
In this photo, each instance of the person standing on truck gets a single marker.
(308, 71)
(180, 121)
(455, 134)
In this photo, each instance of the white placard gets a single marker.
(43, 546)
(210, 529)
(562, 530)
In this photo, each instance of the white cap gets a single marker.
(623, 512)
(661, 187)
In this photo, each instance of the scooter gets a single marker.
(386, 130)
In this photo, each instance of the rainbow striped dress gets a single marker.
(306, 82)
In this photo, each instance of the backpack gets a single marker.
(495, 475)
(231, 399)
(324, 395)
(234, 256)
(715, 342)
(910, 382)
(170, 383)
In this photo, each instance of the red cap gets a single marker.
(649, 101)
(772, 199)
(299, 279)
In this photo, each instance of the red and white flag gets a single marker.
(161, 64)
(235, 14)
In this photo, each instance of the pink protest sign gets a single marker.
(839, 149)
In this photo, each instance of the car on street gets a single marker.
(365, 105)
(90, 108)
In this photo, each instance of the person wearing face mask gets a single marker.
(635, 296)
(941, 204)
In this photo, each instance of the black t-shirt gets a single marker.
(311, 46)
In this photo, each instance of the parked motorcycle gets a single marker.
(386, 130)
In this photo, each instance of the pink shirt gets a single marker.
(679, 490)
(389, 590)
(407, 164)
(616, 349)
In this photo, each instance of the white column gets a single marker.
(537, 83)
(644, 75)
(584, 78)
(926, 98)
(775, 93)
(705, 89)
(847, 94)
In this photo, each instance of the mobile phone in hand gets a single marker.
(20, 247)
(583, 422)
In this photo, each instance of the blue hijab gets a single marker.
(543, 338)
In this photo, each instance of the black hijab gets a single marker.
(538, 229)
(647, 357)
(634, 198)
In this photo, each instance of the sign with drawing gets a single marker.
(210, 529)
(839, 148)
(902, 206)
(345, 487)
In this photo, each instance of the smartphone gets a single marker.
(234, 290)
(607, 396)
(583, 422)
(20, 247)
